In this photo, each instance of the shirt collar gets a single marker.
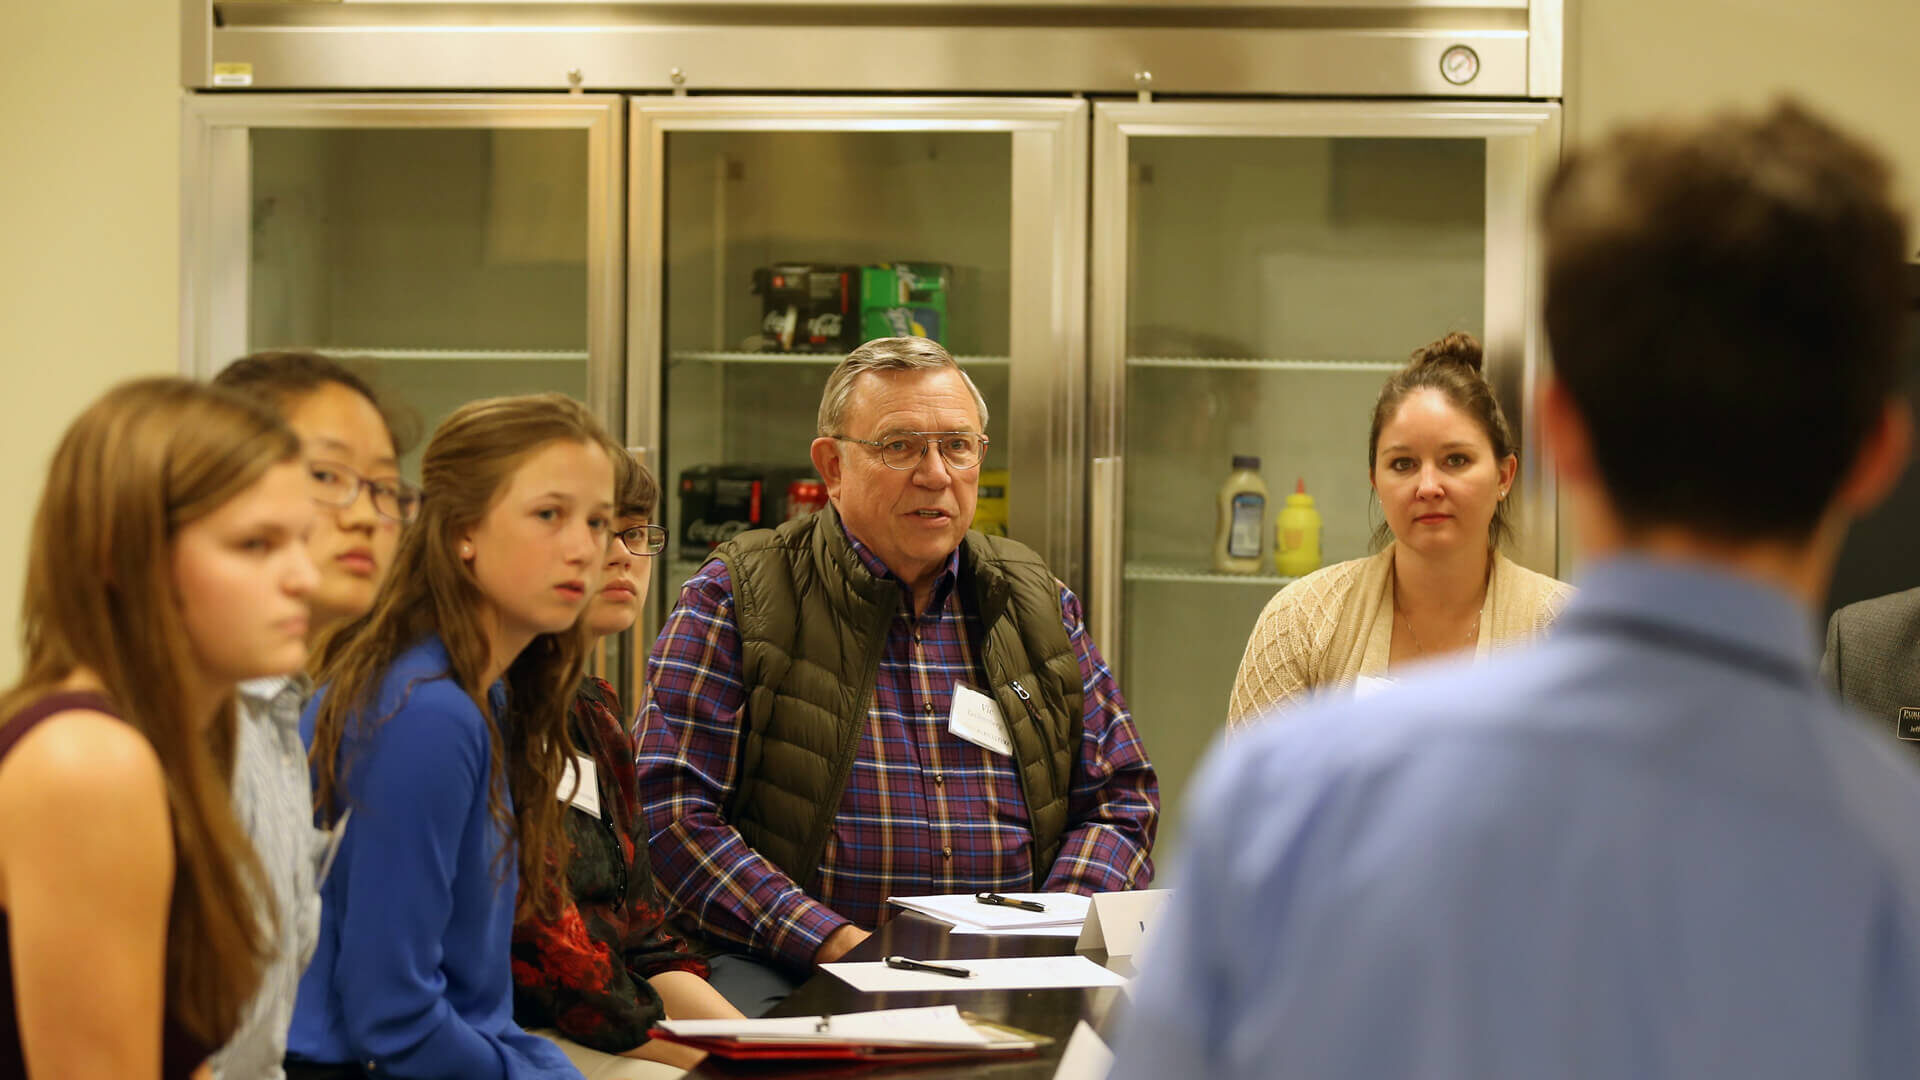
(278, 697)
(942, 585)
(1700, 600)
(267, 689)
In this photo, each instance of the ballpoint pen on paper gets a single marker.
(1007, 901)
(904, 964)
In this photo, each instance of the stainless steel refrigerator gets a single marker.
(1175, 233)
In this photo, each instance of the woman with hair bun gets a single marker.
(1441, 459)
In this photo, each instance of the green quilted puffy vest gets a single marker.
(813, 622)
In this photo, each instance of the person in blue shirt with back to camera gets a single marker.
(1652, 846)
(441, 726)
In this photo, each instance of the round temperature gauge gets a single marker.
(1459, 65)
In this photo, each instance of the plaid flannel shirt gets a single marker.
(924, 810)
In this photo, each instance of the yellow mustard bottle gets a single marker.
(1296, 534)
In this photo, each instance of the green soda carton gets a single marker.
(904, 299)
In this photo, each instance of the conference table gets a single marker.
(1046, 1012)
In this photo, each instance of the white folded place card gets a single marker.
(1116, 921)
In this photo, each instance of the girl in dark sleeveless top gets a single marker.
(166, 564)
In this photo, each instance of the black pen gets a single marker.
(1006, 901)
(905, 964)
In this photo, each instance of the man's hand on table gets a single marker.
(840, 943)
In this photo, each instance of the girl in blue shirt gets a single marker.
(453, 799)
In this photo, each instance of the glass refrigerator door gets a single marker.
(772, 236)
(1259, 271)
(452, 248)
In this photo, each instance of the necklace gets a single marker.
(1473, 637)
(1420, 649)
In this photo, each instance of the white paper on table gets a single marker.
(963, 909)
(1000, 973)
(935, 1025)
(1069, 931)
(1087, 1056)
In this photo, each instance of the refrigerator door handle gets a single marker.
(1106, 571)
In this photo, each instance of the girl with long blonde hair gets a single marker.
(439, 736)
(166, 564)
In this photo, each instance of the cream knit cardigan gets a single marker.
(1335, 625)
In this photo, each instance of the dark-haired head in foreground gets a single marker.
(1724, 302)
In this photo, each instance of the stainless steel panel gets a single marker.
(214, 244)
(1049, 339)
(1518, 169)
(1103, 607)
(1181, 60)
(1546, 50)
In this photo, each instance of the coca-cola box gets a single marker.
(719, 502)
(809, 307)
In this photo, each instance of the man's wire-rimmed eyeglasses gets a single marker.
(905, 450)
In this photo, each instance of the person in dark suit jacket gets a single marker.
(1873, 661)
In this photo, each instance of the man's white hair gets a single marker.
(881, 355)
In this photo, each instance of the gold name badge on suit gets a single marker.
(1906, 723)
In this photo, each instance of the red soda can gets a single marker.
(805, 497)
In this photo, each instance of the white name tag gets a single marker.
(1368, 685)
(580, 785)
(976, 719)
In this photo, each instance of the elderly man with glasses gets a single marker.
(874, 701)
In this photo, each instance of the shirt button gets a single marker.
(929, 706)
(939, 778)
(947, 851)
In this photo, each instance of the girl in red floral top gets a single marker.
(611, 965)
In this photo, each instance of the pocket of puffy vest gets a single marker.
(1033, 713)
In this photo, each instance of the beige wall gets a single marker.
(1850, 58)
(89, 231)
